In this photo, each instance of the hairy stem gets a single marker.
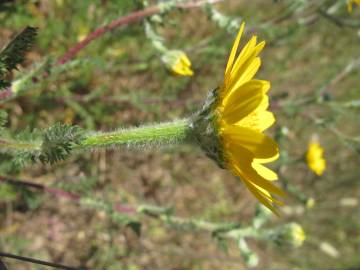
(57, 142)
(151, 135)
(18, 145)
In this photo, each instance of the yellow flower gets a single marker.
(291, 234)
(310, 203)
(296, 235)
(82, 32)
(315, 159)
(242, 116)
(350, 3)
(178, 63)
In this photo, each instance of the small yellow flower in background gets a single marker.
(178, 63)
(115, 52)
(291, 234)
(69, 116)
(35, 11)
(310, 203)
(350, 4)
(82, 32)
(315, 159)
(60, 3)
(231, 124)
(296, 235)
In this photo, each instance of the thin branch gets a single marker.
(340, 22)
(130, 18)
(36, 261)
(161, 213)
(195, 4)
(134, 17)
(353, 65)
(121, 208)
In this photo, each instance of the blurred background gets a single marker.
(312, 59)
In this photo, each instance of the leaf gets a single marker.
(58, 142)
(3, 118)
(222, 244)
(14, 52)
(7, 6)
(135, 226)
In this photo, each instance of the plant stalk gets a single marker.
(162, 134)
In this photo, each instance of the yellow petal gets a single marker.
(264, 171)
(234, 50)
(262, 199)
(248, 71)
(267, 160)
(247, 55)
(185, 60)
(266, 194)
(247, 173)
(242, 102)
(251, 86)
(240, 160)
(264, 103)
(260, 145)
(259, 121)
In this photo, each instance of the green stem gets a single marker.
(18, 145)
(156, 135)
(58, 141)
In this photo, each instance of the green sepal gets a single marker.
(205, 129)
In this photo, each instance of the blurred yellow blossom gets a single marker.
(315, 159)
(178, 63)
(82, 32)
(350, 4)
(296, 235)
(289, 234)
(310, 203)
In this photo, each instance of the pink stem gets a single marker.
(131, 18)
(119, 207)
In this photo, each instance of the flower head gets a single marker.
(350, 4)
(315, 159)
(238, 115)
(178, 63)
(294, 234)
(310, 203)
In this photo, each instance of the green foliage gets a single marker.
(49, 146)
(119, 81)
(3, 118)
(7, 193)
(58, 142)
(13, 54)
(81, 186)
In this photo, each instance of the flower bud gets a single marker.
(290, 234)
(177, 62)
(310, 203)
